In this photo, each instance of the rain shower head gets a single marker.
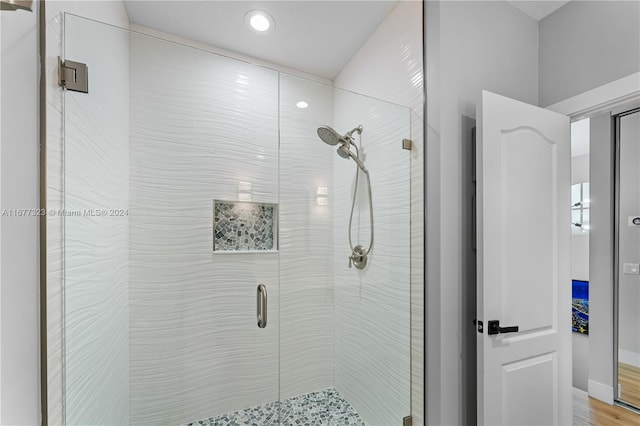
(329, 136)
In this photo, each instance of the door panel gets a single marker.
(523, 264)
(525, 391)
(527, 211)
(159, 328)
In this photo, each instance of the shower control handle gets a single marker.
(261, 303)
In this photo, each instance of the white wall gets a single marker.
(470, 46)
(586, 44)
(580, 271)
(601, 252)
(389, 66)
(19, 278)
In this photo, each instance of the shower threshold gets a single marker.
(325, 407)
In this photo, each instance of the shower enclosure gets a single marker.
(198, 199)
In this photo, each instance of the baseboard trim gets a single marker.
(580, 392)
(601, 392)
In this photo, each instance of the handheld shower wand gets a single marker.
(328, 135)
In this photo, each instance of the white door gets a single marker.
(523, 214)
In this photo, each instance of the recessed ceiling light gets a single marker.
(302, 105)
(259, 21)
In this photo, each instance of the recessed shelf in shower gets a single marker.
(244, 226)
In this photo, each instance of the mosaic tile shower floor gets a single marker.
(322, 408)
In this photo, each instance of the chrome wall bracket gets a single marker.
(16, 5)
(73, 76)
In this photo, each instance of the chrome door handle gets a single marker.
(261, 303)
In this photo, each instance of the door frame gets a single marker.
(632, 107)
(604, 98)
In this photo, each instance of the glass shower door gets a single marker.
(171, 195)
(344, 332)
(200, 204)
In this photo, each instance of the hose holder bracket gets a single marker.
(358, 257)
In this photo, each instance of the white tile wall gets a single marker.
(389, 66)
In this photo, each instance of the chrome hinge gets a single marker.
(73, 76)
(407, 144)
(16, 5)
(407, 421)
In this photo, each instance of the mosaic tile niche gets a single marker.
(244, 226)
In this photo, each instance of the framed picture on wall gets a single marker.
(580, 306)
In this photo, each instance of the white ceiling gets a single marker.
(317, 37)
(538, 9)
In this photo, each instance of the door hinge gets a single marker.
(73, 76)
(16, 5)
(407, 144)
(407, 421)
(479, 324)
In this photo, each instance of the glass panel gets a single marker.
(585, 219)
(162, 329)
(211, 134)
(576, 195)
(329, 342)
(585, 194)
(159, 328)
(96, 228)
(576, 220)
(372, 311)
(629, 258)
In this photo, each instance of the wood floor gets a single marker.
(629, 379)
(591, 412)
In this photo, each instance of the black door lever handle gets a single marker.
(494, 328)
